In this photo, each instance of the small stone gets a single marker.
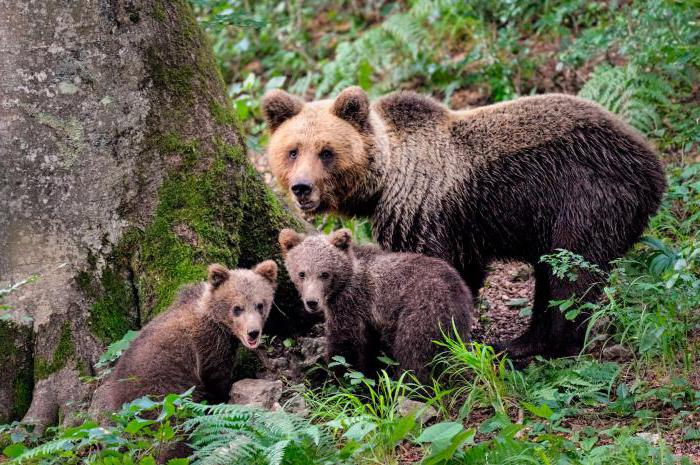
(408, 406)
(653, 438)
(617, 352)
(311, 349)
(295, 404)
(256, 392)
(67, 88)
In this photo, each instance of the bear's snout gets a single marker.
(302, 189)
(306, 195)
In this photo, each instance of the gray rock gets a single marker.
(312, 350)
(426, 412)
(617, 352)
(256, 392)
(295, 404)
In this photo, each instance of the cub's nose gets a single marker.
(312, 304)
(253, 335)
(301, 189)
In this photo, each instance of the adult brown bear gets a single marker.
(515, 180)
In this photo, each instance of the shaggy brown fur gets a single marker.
(195, 341)
(374, 301)
(515, 180)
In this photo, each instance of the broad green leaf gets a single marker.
(440, 432)
(14, 451)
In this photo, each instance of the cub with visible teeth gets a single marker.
(377, 302)
(194, 342)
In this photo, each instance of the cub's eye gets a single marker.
(293, 154)
(326, 154)
(237, 310)
(324, 275)
(302, 275)
(259, 307)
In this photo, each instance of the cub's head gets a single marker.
(241, 299)
(319, 266)
(317, 150)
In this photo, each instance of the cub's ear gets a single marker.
(352, 105)
(289, 239)
(218, 274)
(268, 270)
(278, 106)
(341, 239)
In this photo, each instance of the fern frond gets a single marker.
(634, 95)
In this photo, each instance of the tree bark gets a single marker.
(122, 174)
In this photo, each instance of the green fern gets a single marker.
(636, 96)
(233, 434)
(389, 51)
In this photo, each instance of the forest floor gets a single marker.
(510, 287)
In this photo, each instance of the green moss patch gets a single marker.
(16, 364)
(114, 304)
(64, 351)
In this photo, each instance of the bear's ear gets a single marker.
(289, 239)
(218, 274)
(352, 105)
(278, 106)
(268, 270)
(341, 239)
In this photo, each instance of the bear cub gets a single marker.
(376, 301)
(194, 342)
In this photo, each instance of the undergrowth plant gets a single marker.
(366, 413)
(480, 377)
(234, 434)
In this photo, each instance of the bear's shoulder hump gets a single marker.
(407, 109)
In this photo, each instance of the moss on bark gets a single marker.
(64, 351)
(18, 383)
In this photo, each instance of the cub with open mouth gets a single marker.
(194, 343)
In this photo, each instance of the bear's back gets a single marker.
(402, 281)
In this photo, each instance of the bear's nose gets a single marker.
(312, 304)
(301, 189)
(253, 334)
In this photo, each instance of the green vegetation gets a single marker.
(640, 59)
(64, 351)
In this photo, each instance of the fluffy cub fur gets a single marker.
(194, 342)
(374, 301)
(514, 180)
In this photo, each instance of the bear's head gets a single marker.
(240, 299)
(319, 266)
(318, 151)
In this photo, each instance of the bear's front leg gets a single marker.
(349, 340)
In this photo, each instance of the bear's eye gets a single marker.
(293, 154)
(326, 154)
(324, 275)
(237, 310)
(259, 307)
(302, 275)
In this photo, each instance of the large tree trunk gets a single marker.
(122, 174)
